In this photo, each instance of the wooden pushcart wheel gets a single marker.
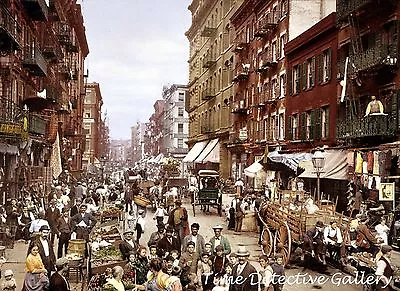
(283, 242)
(267, 242)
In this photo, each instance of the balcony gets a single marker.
(240, 43)
(54, 92)
(34, 61)
(208, 31)
(346, 7)
(51, 49)
(267, 61)
(242, 72)
(206, 129)
(265, 25)
(65, 73)
(10, 112)
(209, 60)
(369, 126)
(10, 32)
(64, 34)
(240, 107)
(208, 94)
(36, 9)
(37, 124)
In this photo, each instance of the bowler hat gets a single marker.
(44, 227)
(319, 224)
(385, 249)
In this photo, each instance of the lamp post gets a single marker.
(318, 161)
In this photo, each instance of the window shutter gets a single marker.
(303, 126)
(278, 87)
(320, 68)
(278, 48)
(327, 122)
(289, 81)
(304, 76)
(289, 128)
(329, 65)
(312, 124)
(285, 84)
(313, 71)
(317, 124)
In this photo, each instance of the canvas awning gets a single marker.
(252, 170)
(206, 151)
(195, 151)
(290, 160)
(213, 156)
(335, 166)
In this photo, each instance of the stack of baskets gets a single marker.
(141, 201)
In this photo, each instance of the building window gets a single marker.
(274, 51)
(86, 130)
(296, 79)
(281, 126)
(325, 122)
(274, 127)
(310, 73)
(180, 112)
(181, 97)
(282, 42)
(180, 143)
(283, 8)
(87, 115)
(326, 73)
(274, 89)
(282, 85)
(180, 127)
(308, 126)
(87, 146)
(295, 127)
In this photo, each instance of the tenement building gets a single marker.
(210, 84)
(43, 47)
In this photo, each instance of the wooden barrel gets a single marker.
(141, 201)
(77, 246)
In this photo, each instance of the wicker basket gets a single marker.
(77, 246)
(141, 201)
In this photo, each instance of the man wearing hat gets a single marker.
(245, 276)
(188, 262)
(196, 238)
(46, 249)
(52, 216)
(82, 223)
(168, 243)
(156, 236)
(57, 280)
(178, 218)
(128, 246)
(384, 271)
(218, 239)
(314, 242)
(63, 232)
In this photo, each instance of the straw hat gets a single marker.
(242, 252)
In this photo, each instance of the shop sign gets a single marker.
(243, 134)
(11, 129)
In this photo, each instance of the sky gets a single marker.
(136, 47)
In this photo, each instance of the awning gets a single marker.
(335, 166)
(8, 149)
(207, 150)
(195, 151)
(290, 160)
(252, 170)
(159, 158)
(213, 156)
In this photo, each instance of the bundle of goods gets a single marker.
(141, 201)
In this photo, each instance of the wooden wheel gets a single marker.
(267, 243)
(283, 242)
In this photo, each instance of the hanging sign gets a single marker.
(243, 134)
(386, 192)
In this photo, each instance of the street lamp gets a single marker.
(318, 161)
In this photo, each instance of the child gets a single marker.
(153, 252)
(175, 255)
(233, 259)
(204, 273)
(219, 261)
(130, 219)
(265, 273)
(9, 284)
(279, 271)
(160, 213)
(208, 250)
(140, 225)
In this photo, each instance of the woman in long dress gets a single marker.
(36, 275)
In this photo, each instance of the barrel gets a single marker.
(77, 246)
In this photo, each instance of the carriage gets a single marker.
(209, 193)
(285, 223)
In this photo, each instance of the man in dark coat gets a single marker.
(46, 249)
(57, 280)
(64, 232)
(128, 246)
(244, 275)
(168, 243)
(82, 223)
(314, 242)
(52, 216)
